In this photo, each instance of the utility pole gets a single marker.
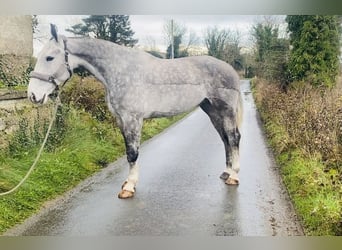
(172, 41)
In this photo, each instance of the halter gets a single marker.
(52, 78)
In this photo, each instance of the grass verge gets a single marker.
(304, 129)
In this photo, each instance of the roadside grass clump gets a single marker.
(31, 133)
(304, 129)
(84, 140)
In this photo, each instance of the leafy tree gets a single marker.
(115, 28)
(315, 50)
(265, 36)
(271, 53)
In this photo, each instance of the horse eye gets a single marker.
(49, 58)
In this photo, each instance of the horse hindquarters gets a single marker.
(225, 118)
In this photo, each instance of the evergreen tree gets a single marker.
(115, 28)
(120, 30)
(315, 51)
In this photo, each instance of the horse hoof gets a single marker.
(125, 194)
(231, 181)
(224, 176)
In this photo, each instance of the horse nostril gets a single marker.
(33, 98)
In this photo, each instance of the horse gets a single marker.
(140, 86)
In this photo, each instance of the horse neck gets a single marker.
(97, 56)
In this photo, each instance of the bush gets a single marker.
(87, 94)
(14, 72)
(311, 117)
(304, 126)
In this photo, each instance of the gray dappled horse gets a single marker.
(139, 85)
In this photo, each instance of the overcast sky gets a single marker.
(150, 27)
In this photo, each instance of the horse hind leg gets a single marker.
(224, 120)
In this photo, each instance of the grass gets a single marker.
(304, 130)
(86, 146)
(316, 197)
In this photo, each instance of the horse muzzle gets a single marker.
(32, 97)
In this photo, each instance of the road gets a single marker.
(179, 192)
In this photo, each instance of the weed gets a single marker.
(28, 136)
(7, 78)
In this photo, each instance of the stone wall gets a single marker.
(16, 48)
(13, 111)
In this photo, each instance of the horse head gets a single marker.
(51, 70)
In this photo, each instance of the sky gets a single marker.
(149, 28)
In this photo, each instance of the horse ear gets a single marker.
(54, 31)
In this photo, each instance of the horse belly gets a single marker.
(169, 100)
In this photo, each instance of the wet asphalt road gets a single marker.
(179, 191)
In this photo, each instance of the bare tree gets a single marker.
(174, 33)
(150, 42)
(215, 41)
(191, 40)
(224, 44)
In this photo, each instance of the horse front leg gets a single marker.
(131, 130)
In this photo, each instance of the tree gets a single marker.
(174, 47)
(215, 40)
(265, 36)
(315, 50)
(271, 54)
(174, 33)
(179, 40)
(120, 30)
(115, 28)
(224, 44)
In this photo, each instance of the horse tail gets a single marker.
(239, 114)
